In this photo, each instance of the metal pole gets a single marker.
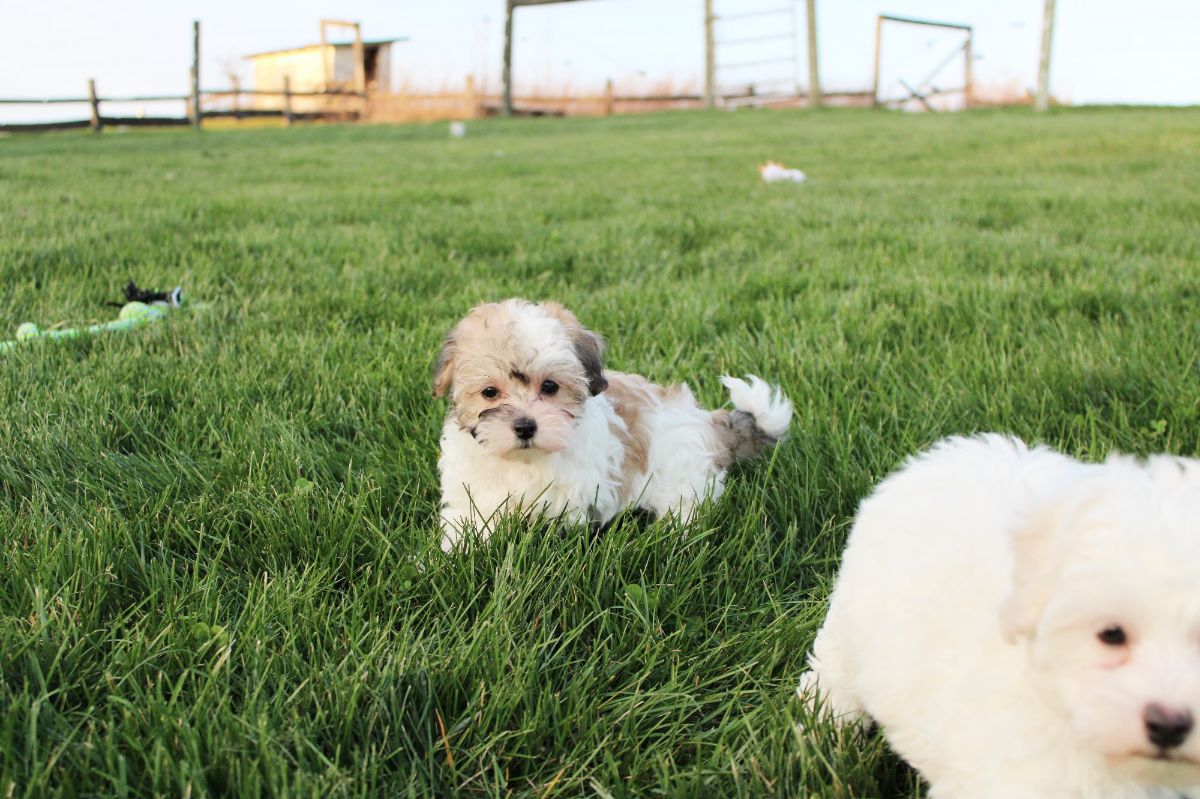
(196, 113)
(710, 64)
(814, 74)
(1042, 102)
(506, 77)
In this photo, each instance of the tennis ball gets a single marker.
(27, 330)
(140, 312)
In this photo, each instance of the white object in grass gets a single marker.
(774, 172)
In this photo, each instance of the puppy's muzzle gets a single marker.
(525, 428)
(1167, 727)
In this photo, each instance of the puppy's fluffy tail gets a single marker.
(759, 419)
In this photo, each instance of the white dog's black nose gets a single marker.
(1166, 727)
(525, 428)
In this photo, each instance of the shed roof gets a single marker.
(366, 43)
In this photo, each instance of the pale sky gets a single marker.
(1104, 50)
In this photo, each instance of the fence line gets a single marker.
(97, 121)
(388, 106)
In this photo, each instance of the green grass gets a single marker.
(218, 562)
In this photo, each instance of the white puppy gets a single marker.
(537, 425)
(1022, 625)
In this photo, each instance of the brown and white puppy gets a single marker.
(536, 424)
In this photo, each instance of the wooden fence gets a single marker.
(468, 104)
(386, 106)
(339, 105)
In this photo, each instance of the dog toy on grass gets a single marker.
(141, 307)
(133, 314)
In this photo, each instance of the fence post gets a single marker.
(196, 112)
(878, 43)
(814, 69)
(710, 62)
(1042, 100)
(471, 98)
(97, 123)
(608, 98)
(287, 100)
(506, 102)
(969, 76)
(360, 74)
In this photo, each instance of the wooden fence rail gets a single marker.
(391, 107)
(98, 121)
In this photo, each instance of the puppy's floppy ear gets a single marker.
(443, 369)
(589, 346)
(1041, 546)
(1032, 576)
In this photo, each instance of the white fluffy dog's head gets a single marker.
(517, 375)
(1107, 596)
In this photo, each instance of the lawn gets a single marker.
(219, 572)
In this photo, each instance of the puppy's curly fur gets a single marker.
(1023, 625)
(536, 424)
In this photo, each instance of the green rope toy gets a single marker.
(133, 315)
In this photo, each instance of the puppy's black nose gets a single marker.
(1166, 727)
(525, 428)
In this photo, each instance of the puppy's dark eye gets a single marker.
(491, 392)
(549, 387)
(1112, 636)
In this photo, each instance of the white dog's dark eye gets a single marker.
(491, 392)
(1112, 636)
(549, 387)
